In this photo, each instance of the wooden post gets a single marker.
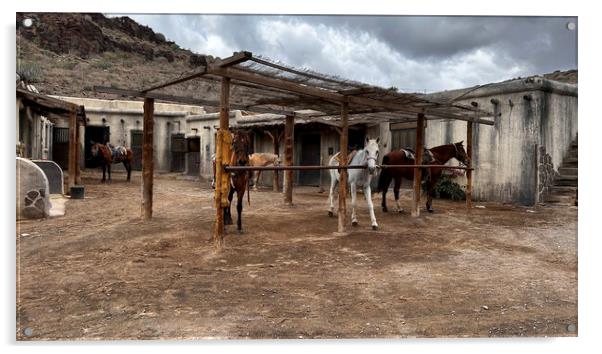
(72, 166)
(469, 172)
(289, 136)
(224, 123)
(343, 172)
(417, 170)
(147, 158)
(276, 183)
(78, 149)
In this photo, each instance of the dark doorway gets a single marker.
(194, 156)
(136, 145)
(60, 147)
(356, 139)
(97, 135)
(178, 152)
(310, 155)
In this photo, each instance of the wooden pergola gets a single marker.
(266, 86)
(52, 108)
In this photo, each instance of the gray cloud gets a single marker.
(414, 53)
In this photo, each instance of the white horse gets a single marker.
(366, 157)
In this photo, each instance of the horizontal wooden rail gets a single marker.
(306, 168)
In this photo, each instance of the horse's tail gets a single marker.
(384, 177)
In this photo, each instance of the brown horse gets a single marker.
(438, 155)
(239, 180)
(108, 154)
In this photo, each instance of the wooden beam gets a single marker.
(236, 58)
(417, 170)
(361, 91)
(49, 103)
(220, 160)
(72, 165)
(289, 141)
(185, 100)
(147, 159)
(201, 72)
(344, 142)
(469, 140)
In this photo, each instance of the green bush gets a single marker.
(102, 64)
(69, 65)
(446, 188)
(29, 72)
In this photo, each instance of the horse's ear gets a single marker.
(460, 143)
(366, 141)
(378, 139)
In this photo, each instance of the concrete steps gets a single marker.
(564, 191)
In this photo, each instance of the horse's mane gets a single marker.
(358, 157)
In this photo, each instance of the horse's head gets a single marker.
(94, 149)
(460, 154)
(241, 144)
(372, 149)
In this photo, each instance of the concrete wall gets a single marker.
(534, 112)
(34, 139)
(124, 116)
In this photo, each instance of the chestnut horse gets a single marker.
(262, 159)
(438, 155)
(239, 180)
(108, 154)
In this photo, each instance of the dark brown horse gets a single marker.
(239, 180)
(438, 155)
(106, 155)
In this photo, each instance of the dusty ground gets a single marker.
(101, 273)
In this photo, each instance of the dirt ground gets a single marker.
(100, 272)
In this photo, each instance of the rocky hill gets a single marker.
(569, 76)
(67, 53)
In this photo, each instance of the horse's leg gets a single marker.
(333, 183)
(257, 175)
(368, 195)
(227, 210)
(128, 168)
(385, 188)
(109, 170)
(353, 200)
(239, 197)
(103, 174)
(396, 194)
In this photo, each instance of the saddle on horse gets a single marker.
(118, 153)
(350, 156)
(427, 155)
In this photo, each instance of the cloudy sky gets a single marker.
(412, 53)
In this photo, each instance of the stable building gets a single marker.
(120, 123)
